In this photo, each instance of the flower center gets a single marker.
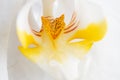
(53, 27)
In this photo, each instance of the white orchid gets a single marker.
(58, 44)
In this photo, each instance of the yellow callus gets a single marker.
(93, 32)
(25, 38)
(31, 53)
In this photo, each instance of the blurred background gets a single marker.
(106, 65)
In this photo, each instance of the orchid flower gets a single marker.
(63, 36)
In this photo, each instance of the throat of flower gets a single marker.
(52, 29)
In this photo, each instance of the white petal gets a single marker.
(65, 7)
(34, 17)
(28, 17)
(88, 12)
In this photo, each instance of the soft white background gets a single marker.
(106, 65)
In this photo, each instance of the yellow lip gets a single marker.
(53, 43)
